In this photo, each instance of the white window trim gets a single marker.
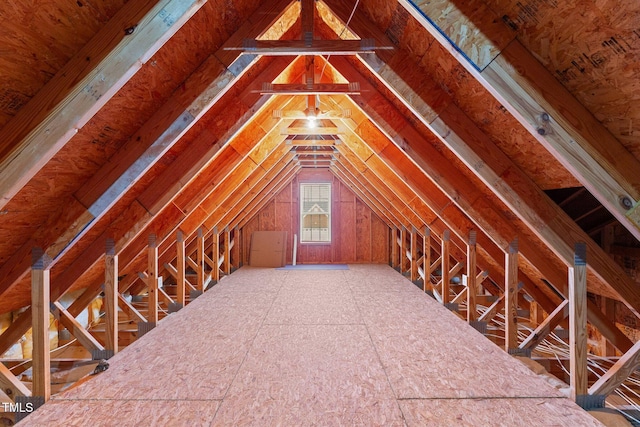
(301, 213)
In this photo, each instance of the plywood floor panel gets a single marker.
(265, 347)
(495, 412)
(123, 413)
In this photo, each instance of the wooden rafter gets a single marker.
(539, 102)
(555, 237)
(107, 186)
(84, 99)
(467, 200)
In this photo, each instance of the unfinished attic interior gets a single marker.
(450, 191)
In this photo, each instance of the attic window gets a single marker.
(315, 213)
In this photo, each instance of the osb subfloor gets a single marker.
(345, 347)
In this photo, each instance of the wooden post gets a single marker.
(426, 259)
(403, 250)
(578, 321)
(215, 274)
(471, 278)
(40, 294)
(227, 251)
(608, 308)
(394, 246)
(511, 296)
(200, 259)
(152, 281)
(235, 255)
(307, 10)
(536, 313)
(111, 297)
(444, 266)
(180, 267)
(414, 254)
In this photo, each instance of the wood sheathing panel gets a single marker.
(592, 48)
(362, 346)
(356, 230)
(38, 38)
(488, 114)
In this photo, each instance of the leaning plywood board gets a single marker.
(268, 249)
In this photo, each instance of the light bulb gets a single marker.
(311, 122)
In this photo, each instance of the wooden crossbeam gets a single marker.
(208, 261)
(328, 142)
(464, 293)
(329, 131)
(310, 89)
(191, 263)
(312, 152)
(16, 330)
(303, 47)
(302, 115)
